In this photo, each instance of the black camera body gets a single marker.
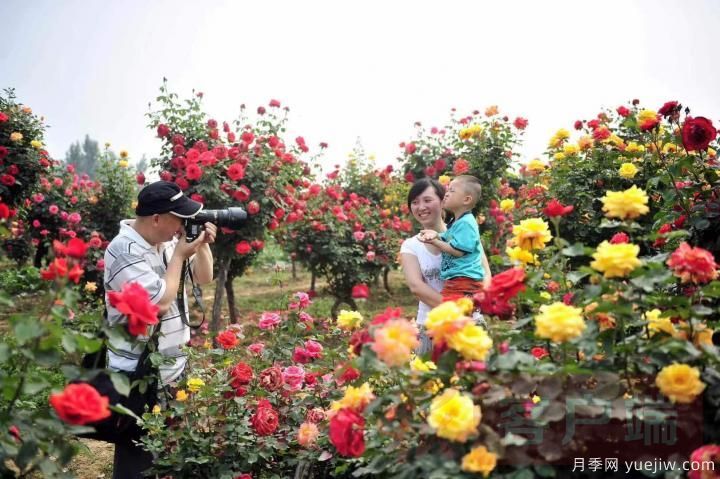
(232, 218)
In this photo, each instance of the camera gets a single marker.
(232, 218)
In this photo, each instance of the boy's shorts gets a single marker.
(456, 288)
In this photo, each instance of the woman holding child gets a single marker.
(439, 254)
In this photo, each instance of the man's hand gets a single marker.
(428, 236)
(184, 249)
(210, 233)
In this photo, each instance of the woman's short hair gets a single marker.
(421, 185)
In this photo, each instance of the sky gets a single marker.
(350, 70)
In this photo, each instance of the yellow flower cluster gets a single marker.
(680, 383)
(419, 365)
(531, 234)
(625, 205)
(354, 398)
(471, 341)
(479, 459)
(559, 322)
(454, 416)
(560, 136)
(657, 324)
(521, 256)
(349, 320)
(535, 166)
(628, 171)
(570, 149)
(470, 131)
(616, 260)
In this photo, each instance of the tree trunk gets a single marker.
(219, 292)
(376, 280)
(339, 302)
(386, 283)
(294, 269)
(231, 299)
(312, 279)
(40, 253)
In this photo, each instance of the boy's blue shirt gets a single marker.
(463, 235)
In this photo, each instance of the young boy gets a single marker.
(464, 265)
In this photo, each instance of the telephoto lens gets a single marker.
(232, 218)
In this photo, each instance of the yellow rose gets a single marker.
(559, 322)
(711, 153)
(562, 134)
(470, 131)
(532, 234)
(647, 115)
(444, 319)
(536, 166)
(633, 147)
(703, 336)
(680, 383)
(491, 110)
(355, 398)
(194, 384)
(181, 395)
(471, 341)
(657, 324)
(507, 205)
(546, 296)
(15, 136)
(570, 149)
(628, 171)
(36, 144)
(156, 410)
(349, 320)
(559, 156)
(466, 305)
(123, 163)
(519, 255)
(479, 459)
(670, 148)
(626, 205)
(444, 180)
(395, 341)
(454, 416)
(585, 142)
(616, 140)
(616, 260)
(90, 287)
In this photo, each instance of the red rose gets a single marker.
(620, 238)
(133, 301)
(275, 103)
(80, 404)
(178, 139)
(697, 133)
(539, 352)
(461, 166)
(271, 379)
(265, 420)
(301, 356)
(316, 415)
(4, 211)
(360, 291)
(359, 338)
(242, 194)
(578, 125)
(227, 339)
(348, 375)
(212, 123)
(410, 148)
(520, 123)
(76, 248)
(695, 265)
(193, 172)
(313, 349)
(253, 208)
(3, 152)
(140, 178)
(623, 111)
(257, 245)
(7, 180)
(508, 283)
(243, 248)
(601, 133)
(3, 117)
(241, 375)
(346, 433)
(669, 108)
(244, 476)
(236, 172)
(554, 208)
(163, 130)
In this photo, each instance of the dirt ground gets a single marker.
(94, 460)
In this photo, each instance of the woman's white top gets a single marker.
(429, 267)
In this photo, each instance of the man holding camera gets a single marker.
(150, 250)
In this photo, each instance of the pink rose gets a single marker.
(269, 320)
(256, 348)
(294, 376)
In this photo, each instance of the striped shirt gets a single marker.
(129, 258)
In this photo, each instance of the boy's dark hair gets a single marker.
(471, 186)
(421, 185)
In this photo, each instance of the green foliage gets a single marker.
(25, 279)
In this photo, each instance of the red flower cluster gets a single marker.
(241, 375)
(347, 432)
(694, 265)
(360, 291)
(80, 404)
(59, 269)
(503, 287)
(133, 301)
(265, 420)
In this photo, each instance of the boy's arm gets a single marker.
(446, 248)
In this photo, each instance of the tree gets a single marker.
(84, 157)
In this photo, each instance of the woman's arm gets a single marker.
(414, 280)
(486, 267)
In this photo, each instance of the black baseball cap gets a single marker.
(165, 197)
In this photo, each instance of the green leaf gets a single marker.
(4, 352)
(121, 383)
(26, 329)
(578, 249)
(701, 310)
(34, 385)
(68, 342)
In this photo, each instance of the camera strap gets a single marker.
(196, 292)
